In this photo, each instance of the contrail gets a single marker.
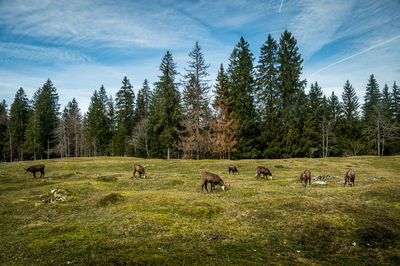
(356, 54)
(280, 7)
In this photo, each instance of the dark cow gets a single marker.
(233, 169)
(304, 177)
(138, 168)
(263, 171)
(213, 179)
(36, 168)
(349, 178)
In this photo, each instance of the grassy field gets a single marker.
(103, 216)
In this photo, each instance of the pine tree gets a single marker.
(74, 127)
(196, 110)
(19, 112)
(291, 96)
(4, 133)
(140, 135)
(349, 127)
(47, 108)
(223, 127)
(165, 115)
(241, 89)
(124, 103)
(267, 96)
(387, 101)
(32, 145)
(395, 105)
(313, 126)
(222, 88)
(371, 98)
(112, 118)
(350, 103)
(98, 123)
(143, 102)
(335, 108)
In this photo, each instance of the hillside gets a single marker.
(90, 211)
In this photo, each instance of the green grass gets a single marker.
(110, 218)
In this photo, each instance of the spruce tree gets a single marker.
(242, 89)
(196, 110)
(223, 127)
(387, 101)
(124, 105)
(313, 127)
(140, 135)
(267, 96)
(349, 130)
(98, 123)
(291, 96)
(395, 105)
(19, 115)
(371, 98)
(47, 108)
(350, 103)
(335, 108)
(74, 127)
(4, 133)
(165, 118)
(222, 88)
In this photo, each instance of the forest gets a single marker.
(254, 109)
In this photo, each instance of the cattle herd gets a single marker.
(214, 179)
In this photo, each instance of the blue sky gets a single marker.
(82, 44)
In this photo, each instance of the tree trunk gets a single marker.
(379, 138)
(168, 153)
(11, 150)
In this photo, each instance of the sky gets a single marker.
(82, 44)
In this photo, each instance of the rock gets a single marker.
(320, 182)
(324, 176)
(374, 178)
(56, 195)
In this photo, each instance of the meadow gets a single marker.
(91, 211)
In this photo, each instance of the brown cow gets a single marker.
(304, 177)
(349, 178)
(263, 171)
(36, 168)
(138, 168)
(233, 169)
(213, 179)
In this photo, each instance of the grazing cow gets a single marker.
(304, 177)
(233, 169)
(213, 179)
(36, 168)
(349, 178)
(263, 171)
(138, 168)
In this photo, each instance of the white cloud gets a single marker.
(11, 51)
(100, 23)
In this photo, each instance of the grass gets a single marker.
(110, 218)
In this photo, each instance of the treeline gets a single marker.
(251, 111)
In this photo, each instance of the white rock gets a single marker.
(319, 182)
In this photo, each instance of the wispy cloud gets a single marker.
(280, 7)
(99, 23)
(39, 55)
(356, 54)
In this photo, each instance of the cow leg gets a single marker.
(34, 174)
(41, 173)
(309, 182)
(345, 182)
